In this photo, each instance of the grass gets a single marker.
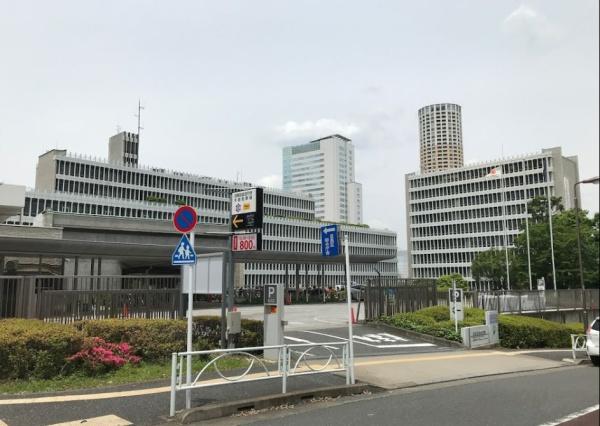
(143, 372)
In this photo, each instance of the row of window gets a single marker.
(485, 184)
(466, 228)
(463, 243)
(466, 175)
(474, 200)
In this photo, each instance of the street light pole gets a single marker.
(595, 181)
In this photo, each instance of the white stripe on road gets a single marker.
(403, 345)
(295, 339)
(572, 416)
(110, 420)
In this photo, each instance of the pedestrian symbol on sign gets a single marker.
(184, 253)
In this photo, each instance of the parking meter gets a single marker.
(273, 319)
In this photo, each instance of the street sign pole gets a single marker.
(455, 312)
(349, 303)
(190, 324)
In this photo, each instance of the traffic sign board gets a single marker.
(184, 253)
(329, 240)
(246, 242)
(185, 219)
(247, 209)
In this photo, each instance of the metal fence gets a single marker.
(290, 360)
(390, 296)
(525, 301)
(74, 305)
(71, 298)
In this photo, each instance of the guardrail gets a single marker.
(578, 344)
(291, 360)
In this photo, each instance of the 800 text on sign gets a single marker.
(245, 242)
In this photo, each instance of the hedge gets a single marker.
(517, 332)
(32, 348)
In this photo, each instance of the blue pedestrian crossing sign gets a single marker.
(330, 245)
(184, 253)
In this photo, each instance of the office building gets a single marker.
(324, 168)
(440, 131)
(84, 185)
(454, 214)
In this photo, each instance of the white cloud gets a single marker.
(315, 129)
(526, 25)
(270, 181)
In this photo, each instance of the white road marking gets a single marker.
(404, 345)
(110, 420)
(295, 339)
(572, 416)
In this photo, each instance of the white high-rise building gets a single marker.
(453, 215)
(324, 168)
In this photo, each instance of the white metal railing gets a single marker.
(578, 344)
(288, 360)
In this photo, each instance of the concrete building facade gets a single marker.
(454, 214)
(440, 132)
(90, 186)
(324, 168)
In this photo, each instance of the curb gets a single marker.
(212, 411)
(417, 335)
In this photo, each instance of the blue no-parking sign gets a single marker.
(330, 245)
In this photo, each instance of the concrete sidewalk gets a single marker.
(420, 369)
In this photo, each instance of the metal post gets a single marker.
(173, 384)
(190, 314)
(230, 281)
(284, 367)
(504, 228)
(528, 248)
(455, 314)
(226, 256)
(581, 280)
(349, 303)
(548, 196)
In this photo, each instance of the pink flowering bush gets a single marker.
(99, 356)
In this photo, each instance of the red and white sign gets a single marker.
(245, 242)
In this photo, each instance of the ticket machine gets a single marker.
(273, 321)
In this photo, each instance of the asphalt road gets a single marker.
(299, 317)
(368, 341)
(520, 399)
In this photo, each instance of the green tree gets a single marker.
(445, 281)
(538, 208)
(565, 250)
(490, 265)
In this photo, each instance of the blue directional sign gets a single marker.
(330, 245)
(184, 253)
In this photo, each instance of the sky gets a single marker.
(226, 85)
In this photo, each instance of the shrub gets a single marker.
(515, 331)
(208, 329)
(526, 332)
(153, 339)
(100, 356)
(32, 348)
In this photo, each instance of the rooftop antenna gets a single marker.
(139, 117)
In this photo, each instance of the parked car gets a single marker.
(592, 341)
(357, 291)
